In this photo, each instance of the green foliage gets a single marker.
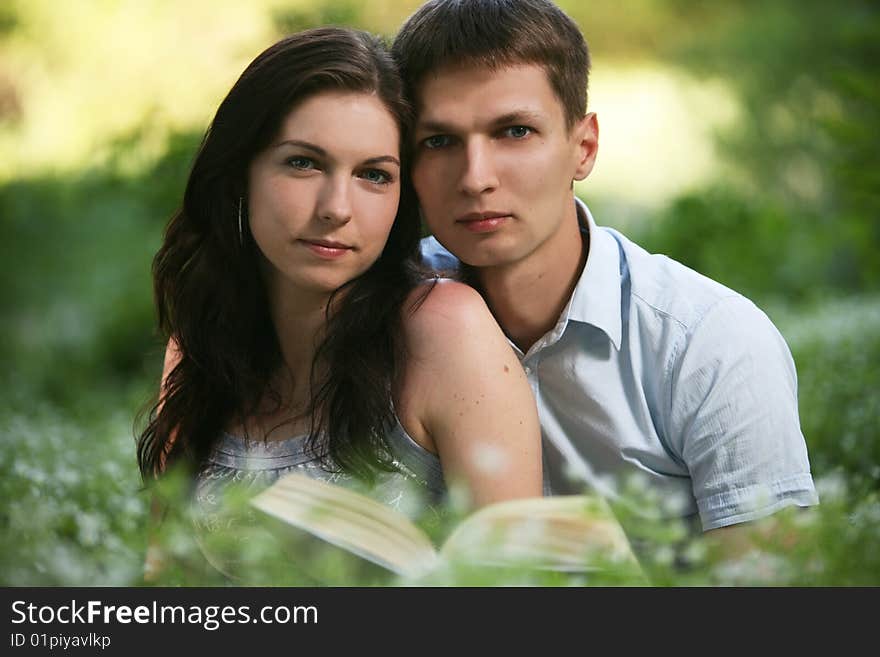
(72, 514)
(245, 547)
(757, 245)
(75, 254)
(836, 348)
(805, 75)
(80, 516)
(828, 545)
(8, 20)
(294, 19)
(81, 360)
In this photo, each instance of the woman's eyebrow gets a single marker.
(379, 159)
(382, 158)
(302, 144)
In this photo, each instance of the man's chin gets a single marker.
(482, 258)
(480, 251)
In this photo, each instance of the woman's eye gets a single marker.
(518, 131)
(376, 176)
(303, 163)
(436, 141)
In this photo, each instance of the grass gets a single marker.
(75, 513)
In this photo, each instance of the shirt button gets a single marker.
(528, 369)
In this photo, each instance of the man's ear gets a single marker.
(585, 134)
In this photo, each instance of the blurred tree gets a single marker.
(805, 73)
(749, 242)
(8, 20)
(75, 254)
(296, 18)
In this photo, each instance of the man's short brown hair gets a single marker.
(497, 33)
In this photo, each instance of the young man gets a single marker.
(640, 366)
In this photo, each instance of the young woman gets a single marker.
(302, 336)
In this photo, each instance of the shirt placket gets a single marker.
(531, 362)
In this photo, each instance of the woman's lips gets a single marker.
(326, 249)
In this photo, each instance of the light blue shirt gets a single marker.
(655, 375)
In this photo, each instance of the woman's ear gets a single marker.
(585, 135)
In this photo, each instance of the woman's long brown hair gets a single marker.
(211, 298)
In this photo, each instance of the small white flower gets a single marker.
(489, 459)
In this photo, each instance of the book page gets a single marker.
(350, 520)
(564, 533)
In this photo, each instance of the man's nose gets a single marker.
(480, 173)
(334, 202)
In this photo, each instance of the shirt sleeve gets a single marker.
(734, 416)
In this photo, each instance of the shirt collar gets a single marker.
(597, 296)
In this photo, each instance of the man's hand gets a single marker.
(776, 532)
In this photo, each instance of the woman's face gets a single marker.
(323, 195)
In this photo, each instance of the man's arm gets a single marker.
(737, 541)
(734, 419)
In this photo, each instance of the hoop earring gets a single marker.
(240, 229)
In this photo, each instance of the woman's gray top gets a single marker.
(253, 466)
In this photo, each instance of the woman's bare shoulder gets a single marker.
(465, 392)
(446, 310)
(450, 335)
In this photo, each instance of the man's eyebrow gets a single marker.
(434, 126)
(509, 118)
(517, 116)
(379, 159)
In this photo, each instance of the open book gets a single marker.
(563, 534)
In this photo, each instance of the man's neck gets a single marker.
(528, 296)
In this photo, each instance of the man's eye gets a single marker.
(304, 163)
(376, 176)
(518, 131)
(436, 141)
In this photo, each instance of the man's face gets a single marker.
(495, 160)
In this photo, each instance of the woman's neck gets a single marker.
(299, 319)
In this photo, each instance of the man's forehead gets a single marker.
(486, 95)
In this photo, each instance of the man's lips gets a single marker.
(483, 222)
(327, 248)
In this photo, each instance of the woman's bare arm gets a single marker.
(155, 558)
(464, 396)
